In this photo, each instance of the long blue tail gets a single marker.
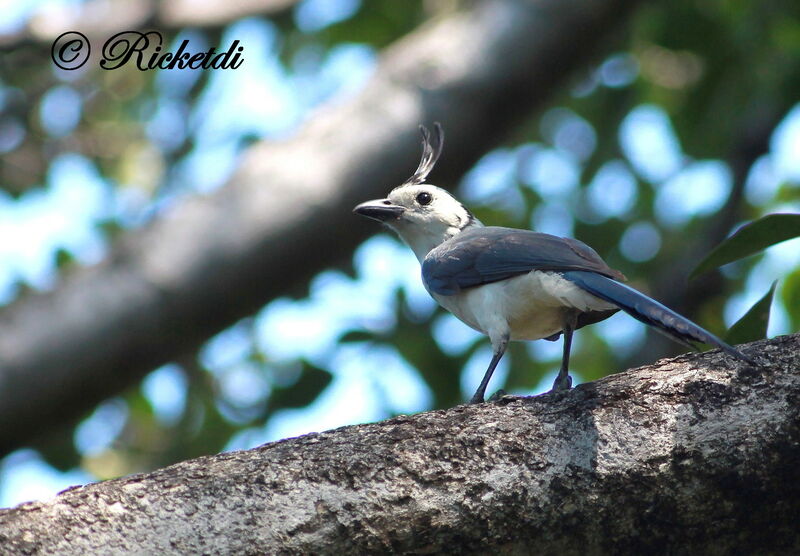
(649, 311)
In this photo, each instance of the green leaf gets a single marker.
(753, 325)
(790, 294)
(750, 239)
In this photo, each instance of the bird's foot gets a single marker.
(562, 382)
(477, 398)
(497, 395)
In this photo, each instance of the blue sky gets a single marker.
(261, 98)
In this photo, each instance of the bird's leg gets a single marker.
(563, 381)
(499, 349)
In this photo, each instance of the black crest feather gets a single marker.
(431, 150)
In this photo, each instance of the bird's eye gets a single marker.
(424, 198)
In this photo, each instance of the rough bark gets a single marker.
(693, 455)
(285, 214)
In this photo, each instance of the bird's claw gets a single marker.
(497, 395)
(562, 382)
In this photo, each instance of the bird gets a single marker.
(512, 284)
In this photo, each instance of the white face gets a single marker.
(423, 215)
(430, 216)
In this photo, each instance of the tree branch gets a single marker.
(285, 214)
(695, 454)
(101, 19)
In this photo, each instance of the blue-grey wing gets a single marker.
(484, 255)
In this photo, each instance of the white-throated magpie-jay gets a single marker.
(513, 284)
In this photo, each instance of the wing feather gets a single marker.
(483, 255)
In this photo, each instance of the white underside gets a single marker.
(527, 307)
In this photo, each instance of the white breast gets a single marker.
(530, 306)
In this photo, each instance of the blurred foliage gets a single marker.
(724, 73)
(750, 239)
(378, 24)
(753, 325)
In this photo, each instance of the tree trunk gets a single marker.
(692, 455)
(286, 213)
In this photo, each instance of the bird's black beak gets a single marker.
(381, 210)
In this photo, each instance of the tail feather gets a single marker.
(649, 311)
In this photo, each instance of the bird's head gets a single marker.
(422, 214)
